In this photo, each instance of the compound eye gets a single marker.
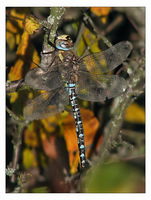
(64, 43)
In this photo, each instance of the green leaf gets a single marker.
(115, 178)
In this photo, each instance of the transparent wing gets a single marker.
(46, 105)
(106, 61)
(99, 87)
(39, 79)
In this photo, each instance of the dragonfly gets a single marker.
(73, 77)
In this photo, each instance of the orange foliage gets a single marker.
(26, 52)
(30, 135)
(22, 48)
(47, 129)
(49, 146)
(14, 26)
(135, 114)
(90, 125)
(15, 35)
(101, 12)
(16, 71)
(31, 24)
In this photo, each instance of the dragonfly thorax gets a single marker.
(66, 56)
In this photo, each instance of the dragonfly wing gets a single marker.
(106, 61)
(99, 87)
(39, 79)
(46, 105)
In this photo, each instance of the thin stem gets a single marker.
(15, 86)
(79, 37)
(17, 141)
(98, 33)
(13, 114)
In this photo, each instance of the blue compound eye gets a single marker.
(63, 46)
(64, 42)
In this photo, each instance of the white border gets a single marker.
(77, 3)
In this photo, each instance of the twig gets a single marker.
(113, 25)
(15, 86)
(76, 44)
(98, 33)
(17, 141)
(13, 114)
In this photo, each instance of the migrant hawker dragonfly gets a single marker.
(71, 77)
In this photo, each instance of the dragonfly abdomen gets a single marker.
(78, 122)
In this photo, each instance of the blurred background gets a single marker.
(45, 152)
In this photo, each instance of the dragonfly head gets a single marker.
(64, 42)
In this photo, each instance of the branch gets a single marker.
(17, 141)
(15, 86)
(135, 88)
(54, 20)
